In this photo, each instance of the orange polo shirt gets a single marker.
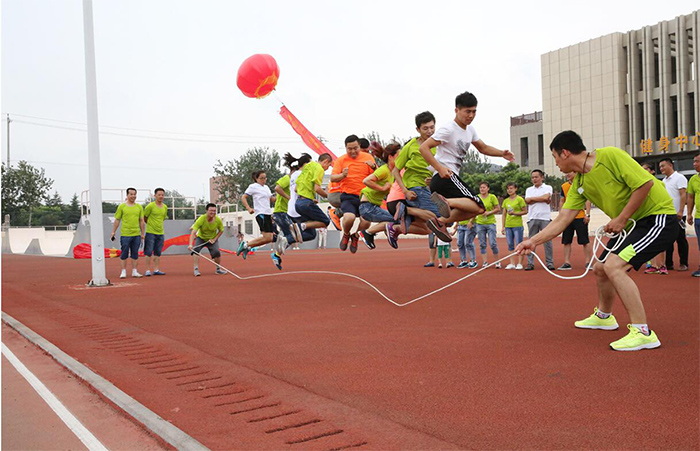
(358, 169)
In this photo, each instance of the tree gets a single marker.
(55, 200)
(72, 211)
(24, 188)
(235, 175)
(475, 163)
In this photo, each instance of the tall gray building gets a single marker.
(637, 91)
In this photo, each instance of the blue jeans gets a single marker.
(514, 236)
(374, 213)
(465, 242)
(422, 200)
(130, 245)
(309, 211)
(153, 244)
(697, 231)
(483, 230)
(283, 222)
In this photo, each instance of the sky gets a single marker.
(168, 103)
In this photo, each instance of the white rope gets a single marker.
(598, 242)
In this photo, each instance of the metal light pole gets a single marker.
(99, 278)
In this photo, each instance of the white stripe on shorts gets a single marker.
(653, 234)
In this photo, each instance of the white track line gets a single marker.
(63, 413)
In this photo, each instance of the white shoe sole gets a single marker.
(615, 327)
(653, 345)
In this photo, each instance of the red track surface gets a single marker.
(491, 363)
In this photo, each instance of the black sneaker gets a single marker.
(529, 267)
(551, 268)
(368, 238)
(564, 267)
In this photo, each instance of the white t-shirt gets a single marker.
(261, 195)
(674, 183)
(454, 143)
(291, 209)
(539, 210)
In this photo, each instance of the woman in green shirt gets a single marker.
(486, 223)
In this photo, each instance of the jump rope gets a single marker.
(597, 244)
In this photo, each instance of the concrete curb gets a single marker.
(154, 423)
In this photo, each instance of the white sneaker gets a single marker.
(519, 266)
(135, 274)
(510, 266)
(281, 244)
(498, 265)
(123, 274)
(147, 273)
(485, 264)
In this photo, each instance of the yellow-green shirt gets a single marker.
(517, 205)
(311, 175)
(207, 230)
(384, 176)
(694, 188)
(281, 203)
(416, 166)
(130, 217)
(490, 203)
(610, 183)
(155, 215)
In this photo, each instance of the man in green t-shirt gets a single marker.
(206, 231)
(623, 190)
(694, 201)
(130, 215)
(155, 214)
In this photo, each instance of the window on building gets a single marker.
(627, 125)
(657, 119)
(249, 227)
(524, 153)
(674, 60)
(691, 47)
(657, 68)
(691, 104)
(674, 118)
(540, 149)
(640, 118)
(640, 68)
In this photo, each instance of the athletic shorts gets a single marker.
(153, 244)
(200, 244)
(581, 229)
(651, 236)
(375, 213)
(391, 206)
(350, 203)
(452, 188)
(265, 223)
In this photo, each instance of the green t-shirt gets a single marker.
(207, 230)
(384, 176)
(490, 203)
(416, 166)
(610, 183)
(155, 215)
(517, 204)
(694, 188)
(281, 203)
(130, 217)
(311, 174)
(463, 223)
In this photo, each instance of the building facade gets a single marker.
(637, 91)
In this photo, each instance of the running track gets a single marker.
(322, 362)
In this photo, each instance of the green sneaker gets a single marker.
(636, 340)
(596, 322)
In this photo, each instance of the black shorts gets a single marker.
(452, 188)
(581, 229)
(391, 206)
(265, 223)
(350, 203)
(651, 236)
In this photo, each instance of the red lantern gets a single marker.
(258, 75)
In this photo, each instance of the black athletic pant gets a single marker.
(682, 248)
